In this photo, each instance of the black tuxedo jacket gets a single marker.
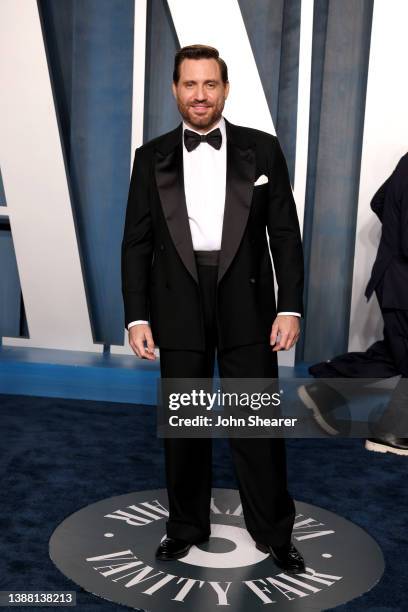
(159, 275)
(390, 204)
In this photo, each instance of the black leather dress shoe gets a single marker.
(388, 443)
(329, 408)
(288, 559)
(173, 548)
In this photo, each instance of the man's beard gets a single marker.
(200, 122)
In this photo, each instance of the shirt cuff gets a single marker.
(138, 322)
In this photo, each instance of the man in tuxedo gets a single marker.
(197, 281)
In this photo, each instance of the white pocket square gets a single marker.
(261, 180)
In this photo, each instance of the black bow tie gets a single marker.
(192, 139)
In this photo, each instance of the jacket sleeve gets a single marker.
(404, 223)
(137, 243)
(396, 203)
(403, 168)
(284, 236)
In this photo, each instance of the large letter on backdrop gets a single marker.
(36, 188)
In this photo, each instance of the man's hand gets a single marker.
(137, 336)
(288, 329)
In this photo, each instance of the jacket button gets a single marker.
(252, 280)
(162, 247)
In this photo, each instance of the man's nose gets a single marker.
(200, 93)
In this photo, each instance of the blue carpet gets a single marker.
(58, 455)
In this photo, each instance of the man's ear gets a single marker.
(227, 88)
(174, 90)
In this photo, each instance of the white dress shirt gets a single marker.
(205, 172)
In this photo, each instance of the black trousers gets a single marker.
(384, 359)
(259, 463)
(395, 418)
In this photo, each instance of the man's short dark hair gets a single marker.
(199, 52)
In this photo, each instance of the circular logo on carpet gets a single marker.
(108, 548)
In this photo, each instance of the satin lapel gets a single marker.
(170, 183)
(238, 195)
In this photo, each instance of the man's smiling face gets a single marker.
(200, 93)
